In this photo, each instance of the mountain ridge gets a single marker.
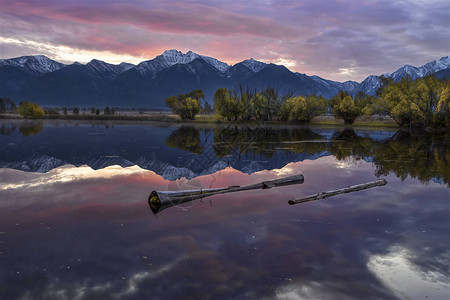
(147, 84)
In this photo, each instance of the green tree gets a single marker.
(265, 105)
(184, 105)
(414, 103)
(76, 110)
(107, 111)
(299, 109)
(196, 94)
(273, 103)
(65, 110)
(443, 107)
(226, 105)
(344, 107)
(97, 111)
(30, 110)
(92, 111)
(293, 109)
(315, 106)
(260, 107)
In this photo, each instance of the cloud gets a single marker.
(323, 38)
(191, 18)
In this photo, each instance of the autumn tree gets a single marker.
(30, 110)
(263, 106)
(226, 104)
(343, 106)
(443, 107)
(300, 109)
(419, 103)
(185, 105)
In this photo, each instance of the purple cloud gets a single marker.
(336, 39)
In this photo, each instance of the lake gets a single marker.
(75, 221)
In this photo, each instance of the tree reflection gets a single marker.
(185, 138)
(7, 128)
(31, 128)
(348, 145)
(266, 141)
(419, 155)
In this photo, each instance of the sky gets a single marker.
(335, 39)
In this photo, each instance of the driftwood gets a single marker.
(159, 200)
(350, 189)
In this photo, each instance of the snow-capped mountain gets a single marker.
(418, 72)
(38, 64)
(254, 65)
(371, 84)
(334, 86)
(147, 84)
(219, 65)
(102, 68)
(172, 57)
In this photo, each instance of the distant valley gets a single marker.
(146, 85)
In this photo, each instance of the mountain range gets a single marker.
(97, 83)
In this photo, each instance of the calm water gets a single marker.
(75, 222)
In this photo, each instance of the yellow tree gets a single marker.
(443, 107)
(30, 110)
(343, 107)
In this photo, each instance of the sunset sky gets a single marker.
(335, 39)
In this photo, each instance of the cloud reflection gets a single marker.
(94, 237)
(405, 279)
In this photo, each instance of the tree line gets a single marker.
(420, 103)
(33, 111)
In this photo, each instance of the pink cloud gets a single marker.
(321, 37)
(198, 18)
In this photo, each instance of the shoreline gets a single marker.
(323, 121)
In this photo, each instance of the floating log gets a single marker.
(159, 200)
(350, 189)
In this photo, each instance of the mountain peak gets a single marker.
(38, 64)
(172, 57)
(254, 65)
(417, 72)
(110, 70)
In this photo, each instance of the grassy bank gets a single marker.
(207, 119)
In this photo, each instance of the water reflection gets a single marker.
(266, 141)
(26, 128)
(80, 233)
(185, 138)
(176, 152)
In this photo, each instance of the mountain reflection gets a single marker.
(423, 155)
(78, 233)
(190, 151)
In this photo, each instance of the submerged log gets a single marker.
(350, 189)
(159, 200)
